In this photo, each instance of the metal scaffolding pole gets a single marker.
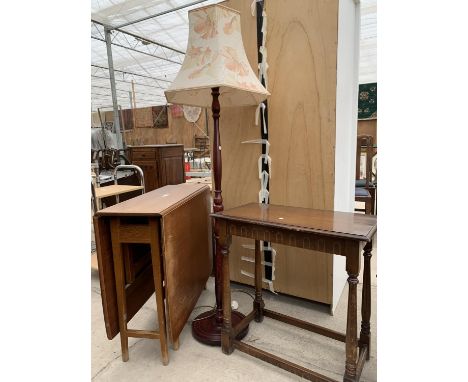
(115, 105)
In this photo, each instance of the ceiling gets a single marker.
(147, 55)
(368, 42)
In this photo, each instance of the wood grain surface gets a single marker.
(327, 223)
(302, 42)
(187, 264)
(154, 203)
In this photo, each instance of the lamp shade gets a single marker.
(215, 57)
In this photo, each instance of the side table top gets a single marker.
(331, 223)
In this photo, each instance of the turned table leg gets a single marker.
(365, 335)
(226, 331)
(258, 303)
(158, 286)
(352, 268)
(120, 286)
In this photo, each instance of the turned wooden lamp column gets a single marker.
(215, 73)
(206, 328)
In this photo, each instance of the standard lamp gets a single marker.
(215, 72)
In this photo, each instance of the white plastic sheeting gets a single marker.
(152, 75)
(368, 42)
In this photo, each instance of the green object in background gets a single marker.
(367, 101)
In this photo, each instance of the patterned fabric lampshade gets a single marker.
(215, 57)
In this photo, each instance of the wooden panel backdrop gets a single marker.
(179, 131)
(302, 42)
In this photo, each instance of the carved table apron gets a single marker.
(331, 232)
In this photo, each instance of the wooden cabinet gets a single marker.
(161, 164)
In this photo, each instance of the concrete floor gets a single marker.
(197, 362)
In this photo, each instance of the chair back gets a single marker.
(364, 142)
(133, 167)
(202, 143)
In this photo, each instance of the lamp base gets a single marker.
(207, 330)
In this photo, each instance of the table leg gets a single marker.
(226, 331)
(158, 286)
(365, 335)
(368, 205)
(372, 191)
(352, 268)
(258, 303)
(120, 286)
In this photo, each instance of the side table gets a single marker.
(339, 233)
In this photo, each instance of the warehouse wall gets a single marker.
(179, 130)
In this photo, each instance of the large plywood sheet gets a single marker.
(302, 44)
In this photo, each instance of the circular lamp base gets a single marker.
(206, 330)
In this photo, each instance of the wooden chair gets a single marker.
(135, 179)
(363, 195)
(134, 168)
(365, 188)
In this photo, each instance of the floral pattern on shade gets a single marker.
(199, 55)
(205, 26)
(215, 57)
(198, 72)
(233, 63)
(231, 26)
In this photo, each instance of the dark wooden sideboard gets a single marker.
(161, 164)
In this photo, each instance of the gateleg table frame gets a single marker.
(339, 233)
(172, 222)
